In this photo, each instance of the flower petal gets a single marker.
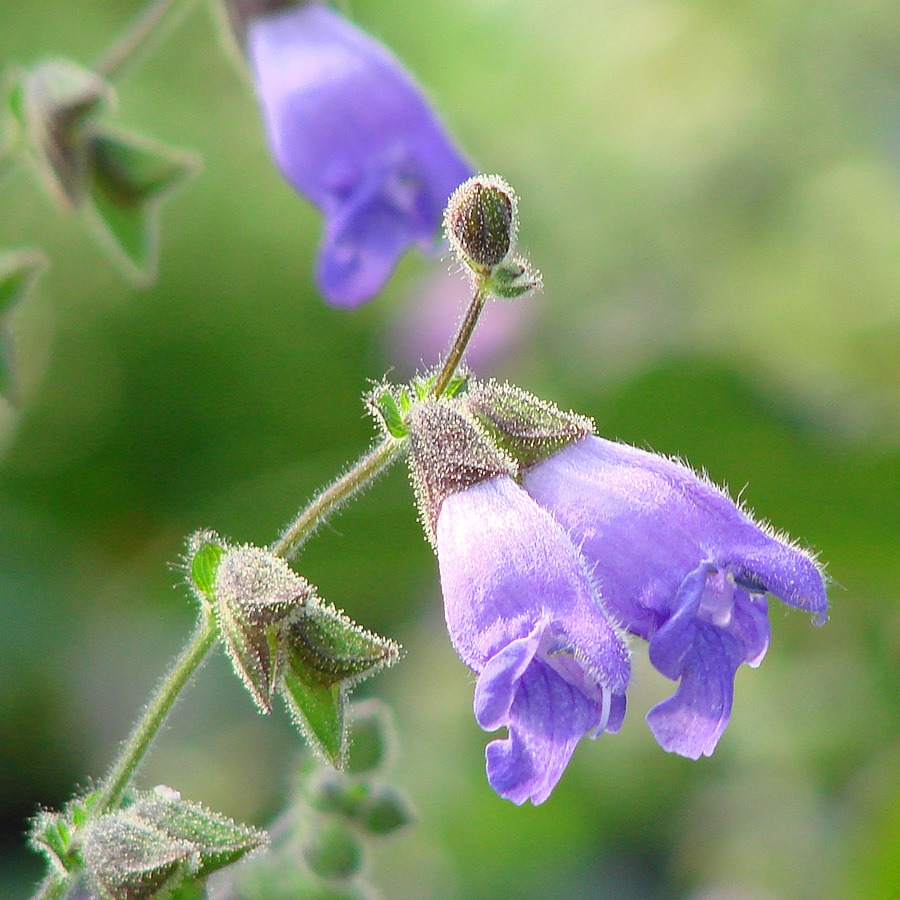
(671, 645)
(787, 572)
(498, 681)
(693, 719)
(505, 564)
(528, 764)
(750, 624)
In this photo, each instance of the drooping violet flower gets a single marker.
(521, 608)
(679, 564)
(351, 130)
(523, 613)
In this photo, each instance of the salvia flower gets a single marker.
(351, 130)
(522, 609)
(681, 565)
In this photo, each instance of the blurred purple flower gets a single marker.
(523, 613)
(679, 564)
(351, 130)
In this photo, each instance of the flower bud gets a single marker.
(480, 222)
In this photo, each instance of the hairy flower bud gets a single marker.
(480, 222)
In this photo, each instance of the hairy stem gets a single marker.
(461, 341)
(138, 36)
(332, 497)
(118, 779)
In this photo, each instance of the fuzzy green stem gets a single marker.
(154, 715)
(335, 495)
(461, 341)
(138, 36)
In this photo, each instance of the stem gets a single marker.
(136, 37)
(154, 715)
(328, 500)
(461, 341)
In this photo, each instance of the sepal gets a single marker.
(526, 427)
(115, 179)
(158, 842)
(326, 654)
(448, 452)
(252, 594)
(128, 177)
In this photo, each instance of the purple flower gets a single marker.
(677, 563)
(350, 130)
(523, 613)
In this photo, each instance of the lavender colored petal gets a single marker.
(499, 680)
(692, 720)
(528, 764)
(505, 564)
(673, 642)
(787, 572)
(351, 130)
(750, 625)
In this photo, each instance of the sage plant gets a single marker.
(555, 547)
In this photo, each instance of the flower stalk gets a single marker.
(193, 655)
(143, 31)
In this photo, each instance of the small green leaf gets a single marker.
(331, 851)
(50, 834)
(455, 385)
(318, 710)
(128, 176)
(513, 279)
(524, 426)
(390, 413)
(254, 651)
(204, 566)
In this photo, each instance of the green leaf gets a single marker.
(254, 651)
(389, 412)
(318, 710)
(129, 175)
(50, 834)
(524, 426)
(337, 794)
(204, 566)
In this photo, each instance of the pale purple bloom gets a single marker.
(677, 563)
(351, 130)
(523, 613)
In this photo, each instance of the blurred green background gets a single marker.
(712, 192)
